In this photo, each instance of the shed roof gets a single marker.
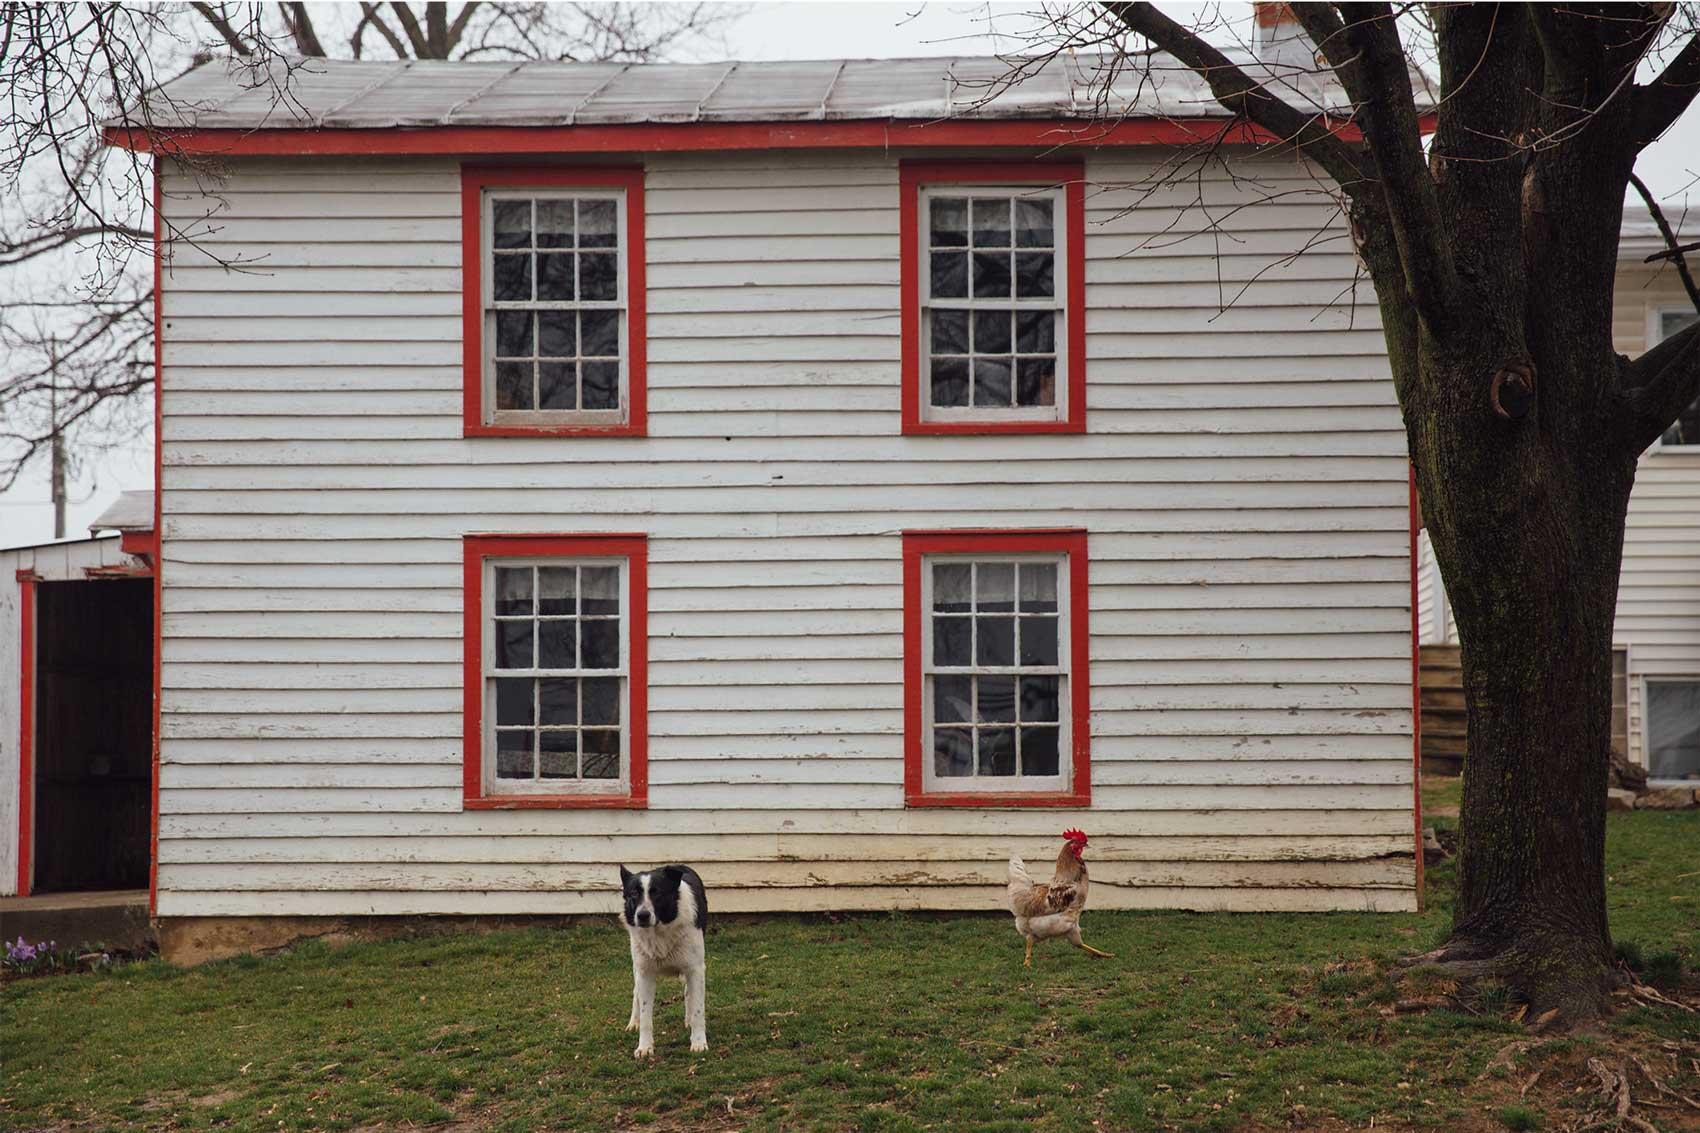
(341, 94)
(131, 511)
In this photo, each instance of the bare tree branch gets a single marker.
(1661, 102)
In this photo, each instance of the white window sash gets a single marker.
(488, 308)
(490, 674)
(1057, 303)
(999, 784)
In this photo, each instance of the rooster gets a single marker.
(1045, 911)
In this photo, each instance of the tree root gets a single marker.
(1614, 1090)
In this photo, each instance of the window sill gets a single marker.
(1000, 800)
(625, 429)
(970, 428)
(555, 802)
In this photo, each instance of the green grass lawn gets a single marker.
(865, 1023)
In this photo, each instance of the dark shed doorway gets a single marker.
(93, 734)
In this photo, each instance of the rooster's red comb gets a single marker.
(1075, 836)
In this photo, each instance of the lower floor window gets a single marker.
(554, 664)
(1673, 729)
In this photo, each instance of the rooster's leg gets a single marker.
(1028, 962)
(1074, 939)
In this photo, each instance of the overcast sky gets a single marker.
(785, 30)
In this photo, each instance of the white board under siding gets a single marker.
(1243, 482)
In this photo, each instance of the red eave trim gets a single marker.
(26, 729)
(142, 544)
(644, 137)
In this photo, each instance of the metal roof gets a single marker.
(131, 511)
(1640, 235)
(341, 94)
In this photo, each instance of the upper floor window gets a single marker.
(554, 318)
(993, 293)
(1685, 430)
(555, 671)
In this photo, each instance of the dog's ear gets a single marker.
(626, 876)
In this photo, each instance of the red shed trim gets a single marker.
(26, 729)
(917, 545)
(635, 550)
(912, 175)
(474, 180)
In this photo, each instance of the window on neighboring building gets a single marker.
(997, 655)
(553, 667)
(994, 291)
(554, 339)
(1673, 729)
(1686, 429)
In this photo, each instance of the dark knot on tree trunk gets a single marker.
(1513, 391)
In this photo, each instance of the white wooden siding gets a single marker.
(1243, 483)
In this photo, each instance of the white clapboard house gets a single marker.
(1657, 632)
(812, 471)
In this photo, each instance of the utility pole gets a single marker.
(56, 476)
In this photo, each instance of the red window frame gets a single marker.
(474, 179)
(912, 175)
(635, 550)
(917, 545)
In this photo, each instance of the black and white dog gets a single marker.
(666, 914)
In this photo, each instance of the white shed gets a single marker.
(809, 471)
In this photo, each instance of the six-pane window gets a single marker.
(996, 672)
(556, 675)
(555, 308)
(992, 307)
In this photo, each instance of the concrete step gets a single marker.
(109, 919)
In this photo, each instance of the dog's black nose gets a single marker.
(643, 919)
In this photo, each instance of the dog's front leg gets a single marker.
(646, 1013)
(696, 1013)
(632, 1023)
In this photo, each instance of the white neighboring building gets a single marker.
(1658, 602)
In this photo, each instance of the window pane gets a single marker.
(995, 699)
(950, 381)
(555, 589)
(555, 277)
(599, 644)
(513, 590)
(994, 587)
(1033, 224)
(949, 222)
(557, 700)
(1036, 332)
(991, 381)
(601, 754)
(994, 641)
(1039, 698)
(555, 644)
(1038, 641)
(557, 385)
(1034, 275)
(1039, 587)
(597, 222)
(950, 275)
(950, 332)
(511, 278)
(597, 275)
(1039, 755)
(513, 385)
(557, 334)
(599, 334)
(601, 590)
(513, 702)
(513, 334)
(991, 222)
(601, 385)
(1035, 381)
(557, 757)
(991, 332)
(513, 754)
(601, 700)
(952, 584)
(997, 751)
(511, 221)
(953, 752)
(1685, 430)
(555, 224)
(953, 699)
(951, 638)
(991, 275)
(1673, 729)
(513, 645)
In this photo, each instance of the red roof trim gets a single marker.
(26, 730)
(647, 137)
